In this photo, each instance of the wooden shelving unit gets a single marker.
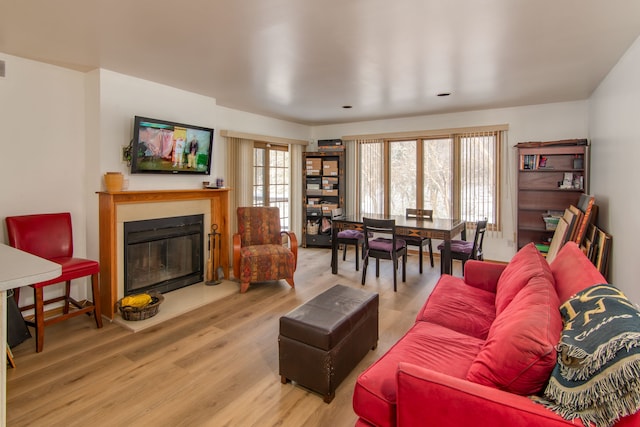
(323, 190)
(550, 178)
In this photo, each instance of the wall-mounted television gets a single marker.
(161, 146)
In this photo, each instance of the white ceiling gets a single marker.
(302, 60)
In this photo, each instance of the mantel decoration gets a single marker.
(113, 181)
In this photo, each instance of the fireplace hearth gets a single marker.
(163, 254)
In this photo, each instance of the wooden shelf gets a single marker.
(331, 183)
(541, 171)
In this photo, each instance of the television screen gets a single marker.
(160, 146)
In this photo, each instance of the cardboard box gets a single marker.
(329, 183)
(328, 207)
(329, 192)
(314, 163)
(330, 167)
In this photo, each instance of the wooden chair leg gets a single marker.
(243, 287)
(10, 361)
(430, 253)
(395, 274)
(95, 291)
(404, 267)
(357, 256)
(289, 280)
(38, 295)
(67, 296)
(420, 255)
(365, 263)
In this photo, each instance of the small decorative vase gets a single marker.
(113, 181)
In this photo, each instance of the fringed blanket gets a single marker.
(597, 374)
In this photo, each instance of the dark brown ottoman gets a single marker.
(324, 339)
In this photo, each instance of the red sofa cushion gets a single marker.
(519, 353)
(458, 306)
(425, 344)
(573, 272)
(527, 263)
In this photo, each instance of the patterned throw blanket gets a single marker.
(597, 375)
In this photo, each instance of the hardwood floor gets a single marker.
(215, 366)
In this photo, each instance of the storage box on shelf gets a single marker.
(323, 187)
(550, 178)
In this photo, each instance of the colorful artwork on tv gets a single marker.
(160, 146)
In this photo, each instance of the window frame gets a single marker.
(455, 167)
(267, 181)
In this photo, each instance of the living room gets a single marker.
(66, 128)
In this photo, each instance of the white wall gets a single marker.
(43, 145)
(614, 117)
(530, 123)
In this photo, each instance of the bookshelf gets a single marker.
(550, 179)
(323, 187)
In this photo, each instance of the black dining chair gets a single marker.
(419, 241)
(463, 250)
(390, 247)
(348, 237)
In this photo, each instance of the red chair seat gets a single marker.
(72, 268)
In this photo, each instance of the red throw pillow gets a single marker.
(525, 264)
(519, 353)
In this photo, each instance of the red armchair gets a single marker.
(49, 236)
(258, 251)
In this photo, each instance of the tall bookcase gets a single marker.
(550, 178)
(323, 190)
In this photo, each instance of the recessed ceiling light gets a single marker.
(346, 107)
(444, 94)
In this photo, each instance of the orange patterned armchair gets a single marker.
(258, 251)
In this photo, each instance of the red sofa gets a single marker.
(480, 345)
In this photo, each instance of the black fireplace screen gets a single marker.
(163, 254)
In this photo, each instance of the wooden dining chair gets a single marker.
(463, 250)
(419, 241)
(348, 237)
(389, 247)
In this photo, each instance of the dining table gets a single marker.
(444, 229)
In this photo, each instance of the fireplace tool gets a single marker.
(214, 275)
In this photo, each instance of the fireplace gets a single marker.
(163, 254)
(120, 207)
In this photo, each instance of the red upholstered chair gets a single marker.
(259, 254)
(49, 236)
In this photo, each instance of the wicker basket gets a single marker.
(135, 313)
(312, 229)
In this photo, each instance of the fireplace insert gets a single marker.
(163, 254)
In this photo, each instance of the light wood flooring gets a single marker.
(215, 366)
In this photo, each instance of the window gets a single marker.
(454, 175)
(271, 178)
